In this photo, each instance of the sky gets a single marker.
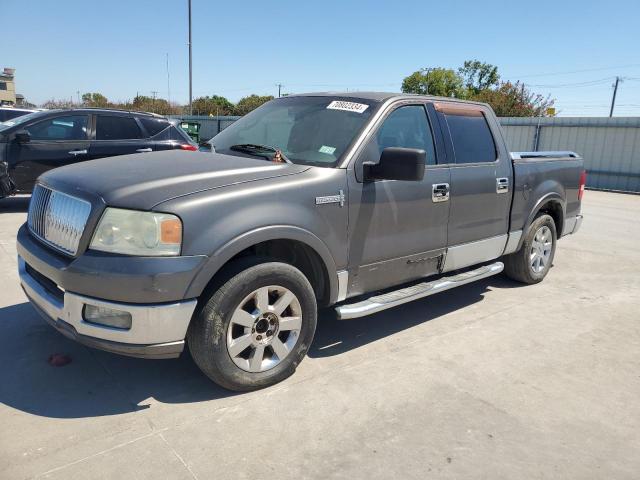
(571, 50)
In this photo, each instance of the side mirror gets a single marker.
(22, 136)
(397, 164)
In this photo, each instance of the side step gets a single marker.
(377, 303)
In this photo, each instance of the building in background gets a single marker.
(7, 87)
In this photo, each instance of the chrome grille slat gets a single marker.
(57, 219)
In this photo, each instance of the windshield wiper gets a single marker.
(255, 149)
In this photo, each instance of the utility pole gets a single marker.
(279, 85)
(168, 84)
(78, 94)
(190, 66)
(613, 100)
(153, 101)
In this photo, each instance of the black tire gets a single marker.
(207, 336)
(517, 265)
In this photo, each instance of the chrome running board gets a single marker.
(377, 303)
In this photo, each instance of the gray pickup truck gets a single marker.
(361, 202)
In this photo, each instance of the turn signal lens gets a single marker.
(186, 146)
(171, 231)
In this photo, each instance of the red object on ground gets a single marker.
(59, 360)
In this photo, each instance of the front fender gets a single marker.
(262, 234)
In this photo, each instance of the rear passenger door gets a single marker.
(117, 134)
(158, 132)
(481, 180)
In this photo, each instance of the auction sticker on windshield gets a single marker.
(347, 106)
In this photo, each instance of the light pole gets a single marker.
(190, 66)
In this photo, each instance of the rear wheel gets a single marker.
(256, 328)
(532, 262)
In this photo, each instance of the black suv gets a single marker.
(34, 143)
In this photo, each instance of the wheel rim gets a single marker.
(264, 328)
(541, 249)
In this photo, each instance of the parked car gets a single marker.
(9, 113)
(34, 143)
(361, 202)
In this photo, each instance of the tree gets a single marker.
(247, 104)
(434, 81)
(214, 105)
(478, 76)
(95, 100)
(515, 100)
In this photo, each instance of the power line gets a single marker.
(632, 65)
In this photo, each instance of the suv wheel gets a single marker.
(256, 328)
(532, 262)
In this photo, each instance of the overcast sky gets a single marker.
(570, 49)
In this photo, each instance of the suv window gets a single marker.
(153, 126)
(471, 138)
(407, 127)
(109, 127)
(71, 127)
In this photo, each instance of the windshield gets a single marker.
(308, 130)
(20, 120)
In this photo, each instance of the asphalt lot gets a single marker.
(492, 380)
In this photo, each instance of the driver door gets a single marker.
(54, 142)
(398, 229)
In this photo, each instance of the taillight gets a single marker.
(186, 146)
(583, 181)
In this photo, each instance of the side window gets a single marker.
(71, 127)
(153, 126)
(110, 127)
(407, 127)
(471, 138)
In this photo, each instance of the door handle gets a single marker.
(440, 192)
(502, 185)
(142, 150)
(77, 152)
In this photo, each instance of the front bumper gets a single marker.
(157, 330)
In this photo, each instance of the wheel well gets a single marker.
(554, 210)
(298, 254)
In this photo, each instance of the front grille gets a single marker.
(57, 219)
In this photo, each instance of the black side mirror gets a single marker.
(22, 136)
(397, 164)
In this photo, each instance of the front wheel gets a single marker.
(532, 262)
(256, 328)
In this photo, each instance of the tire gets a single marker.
(532, 262)
(233, 328)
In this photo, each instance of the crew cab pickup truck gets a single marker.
(360, 202)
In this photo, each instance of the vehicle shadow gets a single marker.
(98, 383)
(334, 336)
(18, 204)
(95, 383)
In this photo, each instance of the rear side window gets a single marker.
(407, 127)
(153, 126)
(116, 128)
(471, 137)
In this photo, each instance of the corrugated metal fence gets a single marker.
(610, 146)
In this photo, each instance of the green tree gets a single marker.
(214, 105)
(247, 104)
(434, 81)
(95, 100)
(478, 76)
(515, 100)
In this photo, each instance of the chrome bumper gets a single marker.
(572, 225)
(157, 330)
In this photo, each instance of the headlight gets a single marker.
(138, 233)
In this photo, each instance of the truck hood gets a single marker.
(144, 180)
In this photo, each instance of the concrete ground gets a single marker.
(492, 380)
